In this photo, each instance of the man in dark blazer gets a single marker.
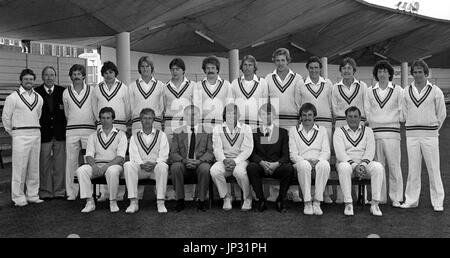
(270, 158)
(191, 154)
(52, 164)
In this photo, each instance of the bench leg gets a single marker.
(211, 192)
(94, 193)
(1, 160)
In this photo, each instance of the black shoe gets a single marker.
(201, 206)
(180, 205)
(46, 198)
(280, 206)
(262, 206)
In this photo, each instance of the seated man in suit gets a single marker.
(105, 154)
(149, 151)
(191, 154)
(232, 145)
(270, 158)
(309, 148)
(354, 145)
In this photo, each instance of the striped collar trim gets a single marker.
(212, 95)
(30, 106)
(303, 137)
(231, 140)
(418, 102)
(382, 103)
(284, 87)
(104, 144)
(174, 91)
(248, 94)
(103, 91)
(141, 90)
(83, 100)
(354, 94)
(141, 141)
(358, 140)
(317, 93)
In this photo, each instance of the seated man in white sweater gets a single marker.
(105, 153)
(309, 148)
(232, 145)
(355, 149)
(149, 151)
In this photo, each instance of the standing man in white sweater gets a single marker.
(20, 117)
(383, 106)
(425, 112)
(354, 144)
(77, 100)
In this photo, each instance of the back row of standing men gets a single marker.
(74, 111)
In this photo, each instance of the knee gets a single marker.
(161, 168)
(177, 168)
(287, 170)
(215, 171)
(376, 168)
(113, 171)
(252, 168)
(81, 171)
(303, 166)
(239, 172)
(204, 169)
(323, 167)
(344, 168)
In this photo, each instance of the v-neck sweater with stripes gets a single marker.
(383, 113)
(285, 97)
(425, 115)
(301, 147)
(21, 116)
(79, 113)
(356, 149)
(104, 150)
(320, 98)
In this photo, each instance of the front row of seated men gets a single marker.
(236, 150)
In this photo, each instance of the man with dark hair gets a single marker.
(105, 155)
(270, 158)
(178, 94)
(77, 99)
(52, 163)
(232, 145)
(309, 149)
(383, 106)
(191, 154)
(149, 151)
(112, 93)
(20, 118)
(354, 145)
(425, 112)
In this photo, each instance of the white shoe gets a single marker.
(296, 196)
(327, 199)
(375, 210)
(90, 206)
(227, 204)
(348, 211)
(396, 204)
(407, 206)
(316, 209)
(308, 210)
(134, 207)
(247, 205)
(161, 208)
(71, 198)
(438, 208)
(339, 201)
(271, 198)
(21, 204)
(113, 206)
(36, 201)
(170, 194)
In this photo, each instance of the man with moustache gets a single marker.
(77, 100)
(20, 118)
(53, 138)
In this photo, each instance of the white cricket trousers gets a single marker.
(219, 175)
(388, 153)
(25, 167)
(112, 176)
(322, 173)
(375, 171)
(73, 146)
(429, 148)
(133, 173)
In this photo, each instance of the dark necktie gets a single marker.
(192, 144)
(50, 101)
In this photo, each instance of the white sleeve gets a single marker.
(134, 151)
(246, 146)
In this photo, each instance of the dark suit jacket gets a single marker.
(203, 146)
(53, 124)
(275, 150)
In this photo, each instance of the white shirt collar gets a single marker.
(114, 129)
(84, 86)
(355, 81)
(255, 78)
(152, 132)
(265, 127)
(238, 125)
(185, 80)
(347, 128)
(218, 80)
(290, 72)
(116, 82)
(315, 127)
(151, 80)
(51, 88)
(377, 85)
(22, 90)
(195, 128)
(308, 80)
(428, 83)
